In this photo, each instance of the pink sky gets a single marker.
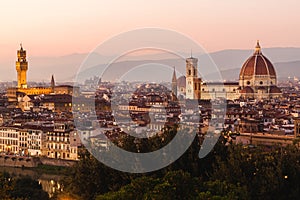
(55, 28)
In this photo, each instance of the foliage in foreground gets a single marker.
(20, 188)
(228, 172)
(175, 185)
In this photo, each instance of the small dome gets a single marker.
(274, 89)
(257, 64)
(247, 90)
(181, 82)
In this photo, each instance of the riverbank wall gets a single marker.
(18, 161)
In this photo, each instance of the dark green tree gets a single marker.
(6, 185)
(89, 177)
(27, 188)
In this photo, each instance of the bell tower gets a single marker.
(21, 67)
(191, 78)
(52, 84)
(174, 84)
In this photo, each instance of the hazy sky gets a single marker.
(49, 27)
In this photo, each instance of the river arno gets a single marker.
(51, 183)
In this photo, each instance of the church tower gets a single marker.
(193, 83)
(52, 84)
(21, 67)
(174, 85)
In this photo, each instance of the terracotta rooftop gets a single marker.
(247, 89)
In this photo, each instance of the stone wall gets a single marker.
(18, 161)
(15, 161)
(57, 162)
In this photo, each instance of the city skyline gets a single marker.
(228, 61)
(172, 99)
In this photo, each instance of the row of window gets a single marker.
(260, 82)
(9, 142)
(190, 72)
(34, 137)
(23, 145)
(34, 142)
(34, 147)
(5, 148)
(10, 135)
(58, 146)
(73, 150)
(59, 139)
(56, 155)
(22, 137)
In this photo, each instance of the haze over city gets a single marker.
(57, 28)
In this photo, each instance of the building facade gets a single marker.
(22, 89)
(61, 142)
(9, 140)
(257, 80)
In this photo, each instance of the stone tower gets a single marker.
(21, 67)
(174, 85)
(193, 83)
(52, 84)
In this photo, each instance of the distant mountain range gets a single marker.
(229, 62)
